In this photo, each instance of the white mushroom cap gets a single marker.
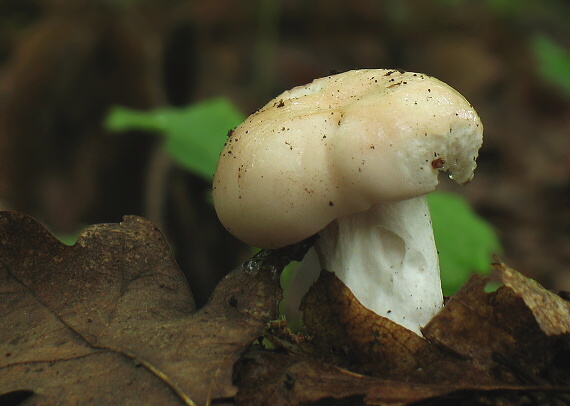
(338, 146)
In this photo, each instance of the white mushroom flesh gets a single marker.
(387, 257)
(358, 147)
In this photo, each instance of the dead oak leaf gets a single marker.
(348, 334)
(281, 378)
(552, 313)
(498, 332)
(111, 319)
(478, 341)
(340, 324)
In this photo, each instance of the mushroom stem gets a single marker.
(387, 257)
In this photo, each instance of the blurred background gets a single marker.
(64, 64)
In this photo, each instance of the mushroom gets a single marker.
(351, 157)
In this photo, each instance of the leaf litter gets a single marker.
(111, 320)
(482, 348)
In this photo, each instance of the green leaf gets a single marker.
(194, 135)
(553, 61)
(465, 241)
(124, 119)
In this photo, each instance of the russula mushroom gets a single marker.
(352, 156)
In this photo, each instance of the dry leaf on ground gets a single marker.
(482, 346)
(281, 378)
(552, 313)
(371, 344)
(498, 332)
(111, 319)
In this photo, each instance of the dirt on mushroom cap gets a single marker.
(351, 139)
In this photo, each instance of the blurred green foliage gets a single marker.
(69, 238)
(465, 241)
(553, 62)
(194, 136)
(552, 59)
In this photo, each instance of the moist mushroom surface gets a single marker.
(351, 157)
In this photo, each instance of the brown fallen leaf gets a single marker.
(479, 342)
(111, 319)
(498, 332)
(279, 378)
(552, 313)
(276, 378)
(341, 325)
(373, 344)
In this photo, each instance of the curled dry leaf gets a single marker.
(484, 346)
(111, 319)
(552, 313)
(277, 378)
(341, 325)
(499, 333)
(281, 378)
(374, 344)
